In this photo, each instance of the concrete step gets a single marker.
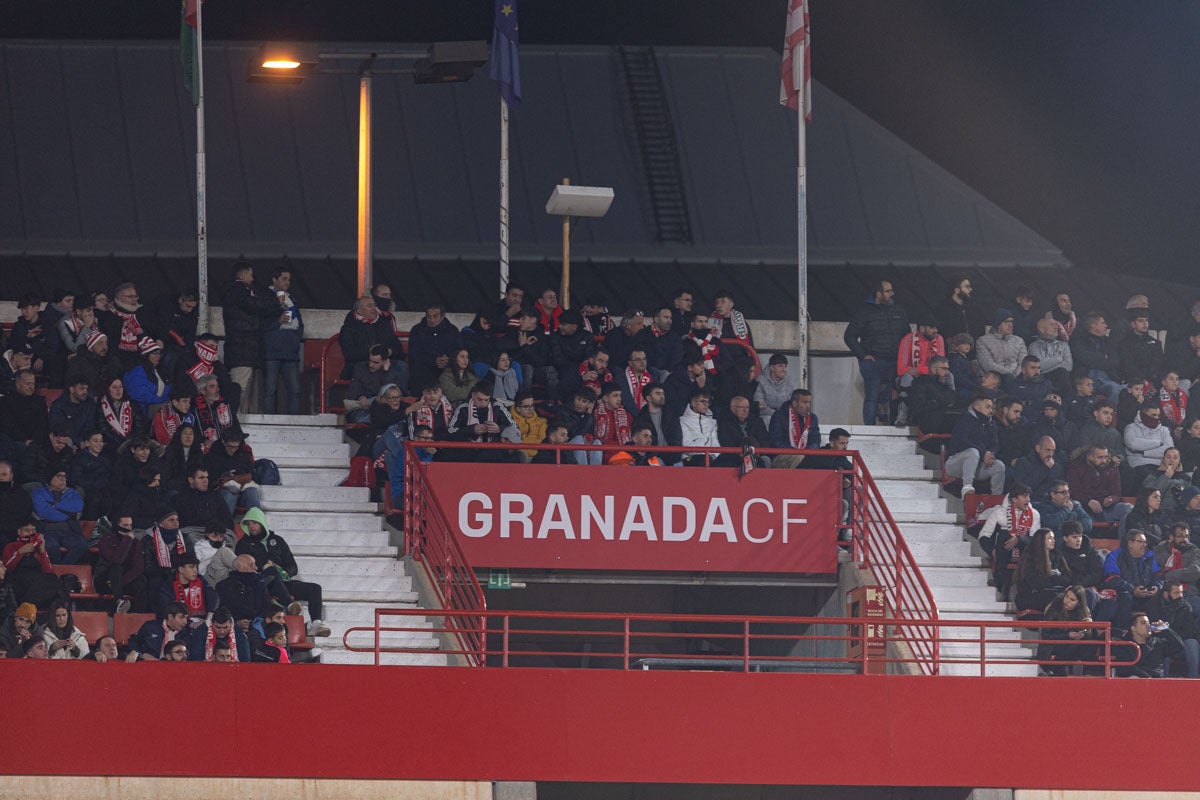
(905, 505)
(957, 600)
(342, 583)
(337, 629)
(913, 472)
(337, 494)
(334, 538)
(904, 516)
(916, 532)
(293, 521)
(364, 613)
(869, 430)
(1006, 635)
(327, 550)
(275, 505)
(336, 655)
(318, 568)
(919, 490)
(950, 576)
(956, 561)
(376, 597)
(329, 476)
(301, 434)
(993, 670)
(303, 455)
(923, 548)
(313, 420)
(873, 446)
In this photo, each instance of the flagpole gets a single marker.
(503, 197)
(201, 201)
(802, 232)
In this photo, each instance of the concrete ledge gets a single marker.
(53, 787)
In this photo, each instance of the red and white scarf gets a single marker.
(210, 643)
(168, 637)
(1174, 561)
(191, 596)
(737, 320)
(423, 414)
(169, 420)
(162, 550)
(207, 353)
(708, 348)
(1065, 329)
(212, 421)
(131, 329)
(475, 417)
(74, 325)
(1174, 405)
(121, 419)
(601, 377)
(612, 425)
(365, 320)
(798, 429)
(637, 382)
(1019, 522)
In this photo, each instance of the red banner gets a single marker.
(634, 518)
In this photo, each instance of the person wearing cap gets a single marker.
(13, 361)
(1140, 351)
(58, 507)
(1030, 388)
(172, 415)
(75, 409)
(230, 467)
(93, 362)
(23, 415)
(35, 328)
(1053, 422)
(1054, 355)
(187, 587)
(999, 350)
(18, 629)
(51, 454)
(144, 383)
(122, 566)
(912, 360)
(1096, 355)
(272, 556)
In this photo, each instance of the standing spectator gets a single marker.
(1139, 351)
(1030, 388)
(873, 336)
(129, 463)
(272, 555)
(774, 388)
(123, 326)
(1006, 532)
(912, 361)
(35, 329)
(1000, 351)
(201, 360)
(58, 507)
(1041, 573)
(1147, 440)
(1054, 355)
(173, 318)
(122, 567)
(282, 343)
(1096, 483)
(74, 410)
(16, 506)
(381, 293)
(569, 347)
(795, 427)
(679, 385)
(1095, 353)
(665, 345)
(145, 383)
(215, 416)
(726, 321)
(548, 310)
(1039, 470)
(48, 456)
(971, 453)
(1060, 510)
(698, 428)
(247, 310)
(957, 314)
(230, 465)
(681, 302)
(431, 343)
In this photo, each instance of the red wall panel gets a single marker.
(585, 725)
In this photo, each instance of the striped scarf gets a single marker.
(708, 348)
(637, 383)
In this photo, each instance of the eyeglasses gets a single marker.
(524, 405)
(1062, 491)
(1137, 541)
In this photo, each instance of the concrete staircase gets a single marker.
(337, 535)
(952, 563)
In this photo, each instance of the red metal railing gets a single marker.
(738, 643)
(879, 545)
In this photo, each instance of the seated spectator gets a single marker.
(1025, 316)
(966, 373)
(173, 415)
(1148, 516)
(174, 317)
(368, 381)
(1187, 510)
(16, 506)
(1011, 434)
(273, 649)
(479, 338)
(1006, 532)
(1170, 479)
(1039, 469)
(58, 507)
(215, 416)
(35, 648)
(146, 497)
(105, 650)
(912, 361)
(633, 380)
(1041, 573)
(1139, 351)
(62, 308)
(74, 411)
(1180, 561)
(613, 421)
(641, 438)
(664, 424)
(480, 419)
(1030, 388)
(556, 433)
(1100, 431)
(144, 383)
(549, 311)
(1082, 402)
(387, 409)
(1133, 573)
(185, 451)
(839, 442)
(1153, 649)
(34, 329)
(698, 428)
(457, 378)
(1173, 401)
(89, 473)
(1171, 607)
(215, 553)
(13, 361)
(1096, 354)
(506, 378)
(774, 388)
(681, 383)
(1063, 315)
(971, 453)
(1060, 510)
(23, 417)
(124, 324)
(230, 466)
(220, 634)
(118, 418)
(30, 573)
(740, 427)
(201, 508)
(999, 350)
(1084, 565)
(1076, 645)
(433, 412)
(594, 373)
(531, 425)
(121, 570)
(1147, 440)
(431, 343)
(63, 640)
(171, 630)
(1053, 354)
(51, 454)
(1186, 359)
(795, 427)
(570, 347)
(362, 329)
(1054, 423)
(932, 402)
(272, 554)
(664, 344)
(244, 591)
(20, 627)
(1096, 484)
(201, 360)
(529, 349)
(93, 363)
(1188, 442)
(127, 469)
(580, 421)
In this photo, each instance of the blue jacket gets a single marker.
(79, 417)
(284, 344)
(149, 639)
(139, 387)
(782, 437)
(972, 430)
(1055, 516)
(1122, 572)
(1031, 394)
(64, 508)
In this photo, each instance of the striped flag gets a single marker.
(188, 51)
(796, 73)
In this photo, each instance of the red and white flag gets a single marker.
(796, 74)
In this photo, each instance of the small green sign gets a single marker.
(499, 579)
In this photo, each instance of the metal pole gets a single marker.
(365, 266)
(201, 188)
(503, 197)
(565, 294)
(802, 224)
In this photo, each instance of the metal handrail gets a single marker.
(631, 641)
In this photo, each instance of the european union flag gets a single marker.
(505, 69)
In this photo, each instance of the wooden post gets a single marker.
(565, 293)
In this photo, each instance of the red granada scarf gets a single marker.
(210, 643)
(191, 596)
(131, 329)
(612, 425)
(162, 550)
(798, 429)
(207, 354)
(1065, 329)
(636, 384)
(1174, 405)
(213, 421)
(716, 324)
(120, 420)
(1020, 522)
(601, 378)
(1174, 561)
(423, 414)
(708, 348)
(169, 420)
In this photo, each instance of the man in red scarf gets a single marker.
(188, 588)
(795, 426)
(549, 310)
(613, 422)
(123, 325)
(633, 380)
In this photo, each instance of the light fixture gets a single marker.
(569, 201)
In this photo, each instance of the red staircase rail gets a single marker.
(879, 545)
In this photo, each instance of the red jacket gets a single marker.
(11, 558)
(925, 351)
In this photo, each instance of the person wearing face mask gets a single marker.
(1147, 440)
(215, 553)
(121, 570)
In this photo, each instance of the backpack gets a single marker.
(266, 472)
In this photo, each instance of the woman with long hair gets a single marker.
(1188, 442)
(1077, 645)
(458, 378)
(1148, 516)
(1041, 573)
(62, 638)
(144, 382)
(184, 452)
(118, 418)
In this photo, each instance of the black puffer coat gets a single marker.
(876, 330)
(246, 310)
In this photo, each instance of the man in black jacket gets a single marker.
(124, 325)
(971, 453)
(933, 404)
(199, 507)
(363, 328)
(957, 313)
(230, 465)
(272, 556)
(16, 506)
(739, 426)
(23, 416)
(873, 336)
(247, 309)
(173, 319)
(244, 592)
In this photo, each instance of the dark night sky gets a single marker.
(1077, 116)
